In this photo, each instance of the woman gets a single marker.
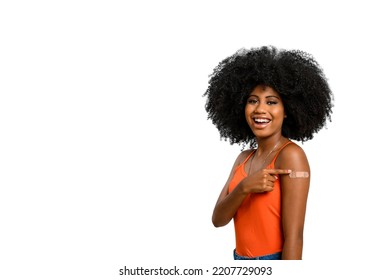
(265, 98)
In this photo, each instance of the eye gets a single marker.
(252, 101)
(272, 102)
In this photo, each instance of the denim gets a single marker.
(276, 256)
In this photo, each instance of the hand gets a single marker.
(262, 180)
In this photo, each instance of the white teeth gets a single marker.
(262, 120)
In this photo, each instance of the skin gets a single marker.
(264, 102)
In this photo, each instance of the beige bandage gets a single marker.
(299, 174)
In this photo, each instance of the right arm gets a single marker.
(228, 203)
(258, 182)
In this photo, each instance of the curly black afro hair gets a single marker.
(294, 74)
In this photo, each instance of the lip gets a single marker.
(261, 125)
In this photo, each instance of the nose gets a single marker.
(260, 108)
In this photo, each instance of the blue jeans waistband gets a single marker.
(276, 256)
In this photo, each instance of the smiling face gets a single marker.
(264, 112)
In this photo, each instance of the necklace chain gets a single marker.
(262, 165)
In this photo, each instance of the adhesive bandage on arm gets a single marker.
(299, 174)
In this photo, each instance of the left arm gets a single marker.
(294, 198)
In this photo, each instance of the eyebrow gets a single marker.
(268, 96)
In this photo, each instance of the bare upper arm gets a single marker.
(294, 190)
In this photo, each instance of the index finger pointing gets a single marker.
(278, 171)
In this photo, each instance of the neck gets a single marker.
(267, 144)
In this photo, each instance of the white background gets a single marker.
(107, 158)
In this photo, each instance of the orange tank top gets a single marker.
(257, 222)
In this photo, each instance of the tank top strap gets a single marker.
(280, 149)
(248, 157)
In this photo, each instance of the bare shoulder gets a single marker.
(242, 156)
(239, 160)
(292, 156)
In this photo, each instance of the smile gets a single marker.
(261, 123)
